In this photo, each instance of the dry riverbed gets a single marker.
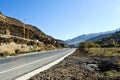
(80, 67)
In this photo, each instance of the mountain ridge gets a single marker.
(88, 37)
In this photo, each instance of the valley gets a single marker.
(93, 60)
(60, 40)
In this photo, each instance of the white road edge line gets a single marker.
(23, 65)
(25, 54)
(31, 74)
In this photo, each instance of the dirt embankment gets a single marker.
(13, 49)
(77, 67)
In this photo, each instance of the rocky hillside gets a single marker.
(15, 27)
(17, 38)
(110, 41)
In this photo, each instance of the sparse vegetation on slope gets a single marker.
(16, 28)
(101, 51)
(19, 34)
(110, 41)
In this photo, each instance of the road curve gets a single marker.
(14, 67)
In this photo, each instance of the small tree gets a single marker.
(89, 45)
(83, 45)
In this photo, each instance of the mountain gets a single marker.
(99, 37)
(112, 40)
(89, 37)
(17, 28)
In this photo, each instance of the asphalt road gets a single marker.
(13, 67)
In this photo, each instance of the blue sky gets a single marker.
(65, 19)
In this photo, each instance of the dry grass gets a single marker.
(112, 73)
(103, 51)
(13, 49)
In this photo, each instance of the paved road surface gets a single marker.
(13, 67)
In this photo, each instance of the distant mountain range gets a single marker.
(89, 37)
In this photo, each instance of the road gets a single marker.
(13, 67)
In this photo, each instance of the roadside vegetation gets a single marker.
(95, 49)
(15, 46)
(108, 51)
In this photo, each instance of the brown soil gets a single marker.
(77, 67)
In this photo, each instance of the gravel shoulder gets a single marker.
(78, 67)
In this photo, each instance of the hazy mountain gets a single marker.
(89, 37)
(99, 37)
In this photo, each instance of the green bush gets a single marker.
(83, 45)
(89, 45)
